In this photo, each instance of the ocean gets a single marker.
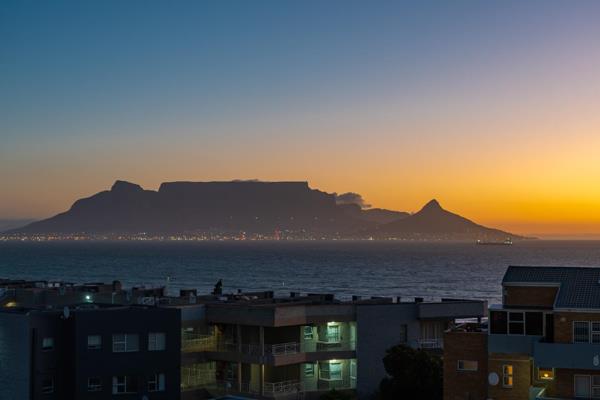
(366, 268)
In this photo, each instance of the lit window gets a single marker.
(94, 342)
(125, 342)
(467, 365)
(507, 374)
(309, 370)
(156, 341)
(581, 332)
(47, 344)
(330, 371)
(308, 333)
(546, 374)
(333, 333)
(156, 383)
(94, 384)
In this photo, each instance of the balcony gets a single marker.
(567, 355)
(191, 342)
(511, 344)
(272, 389)
(428, 344)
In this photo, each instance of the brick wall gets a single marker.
(529, 296)
(563, 385)
(522, 372)
(563, 324)
(465, 385)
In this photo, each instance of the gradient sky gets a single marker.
(492, 107)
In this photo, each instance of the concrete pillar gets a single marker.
(262, 379)
(239, 376)
(261, 334)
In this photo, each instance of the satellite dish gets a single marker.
(493, 378)
(66, 312)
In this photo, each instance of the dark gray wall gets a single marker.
(14, 356)
(378, 328)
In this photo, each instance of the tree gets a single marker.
(412, 374)
(335, 395)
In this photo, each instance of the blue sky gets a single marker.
(349, 95)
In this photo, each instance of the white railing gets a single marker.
(430, 343)
(291, 386)
(283, 348)
(348, 345)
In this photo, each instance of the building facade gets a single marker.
(542, 342)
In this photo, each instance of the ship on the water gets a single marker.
(506, 242)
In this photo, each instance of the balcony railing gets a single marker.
(310, 347)
(274, 388)
(430, 344)
(198, 342)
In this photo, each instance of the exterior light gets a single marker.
(88, 297)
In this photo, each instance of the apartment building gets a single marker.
(90, 351)
(259, 346)
(60, 340)
(542, 342)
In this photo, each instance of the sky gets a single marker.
(491, 107)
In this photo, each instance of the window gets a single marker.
(333, 333)
(94, 342)
(309, 370)
(125, 342)
(403, 333)
(330, 371)
(545, 374)
(581, 332)
(507, 376)
(48, 385)
(352, 369)
(156, 383)
(94, 384)
(516, 323)
(467, 365)
(595, 332)
(534, 323)
(156, 341)
(498, 322)
(47, 344)
(123, 384)
(582, 386)
(308, 332)
(596, 386)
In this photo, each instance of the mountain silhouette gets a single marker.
(179, 207)
(432, 222)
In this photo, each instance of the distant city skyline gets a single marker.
(489, 107)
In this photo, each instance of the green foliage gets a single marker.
(413, 374)
(335, 395)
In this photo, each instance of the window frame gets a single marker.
(153, 341)
(44, 346)
(460, 366)
(509, 321)
(125, 385)
(156, 383)
(589, 333)
(48, 389)
(94, 346)
(94, 387)
(125, 343)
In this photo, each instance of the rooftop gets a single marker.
(579, 287)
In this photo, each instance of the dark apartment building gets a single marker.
(542, 342)
(262, 347)
(67, 343)
(90, 351)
